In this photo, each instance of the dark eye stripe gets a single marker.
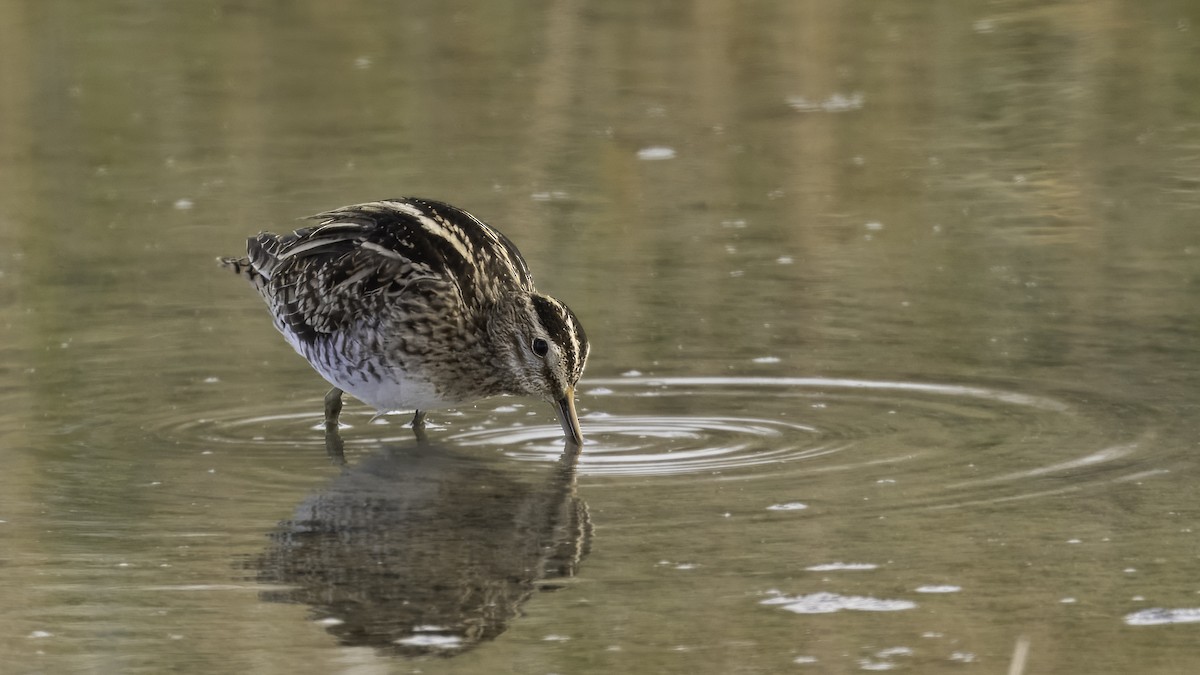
(562, 327)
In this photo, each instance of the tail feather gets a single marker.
(236, 265)
(245, 268)
(258, 257)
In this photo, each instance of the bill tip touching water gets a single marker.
(413, 304)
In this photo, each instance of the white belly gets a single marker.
(390, 396)
(390, 391)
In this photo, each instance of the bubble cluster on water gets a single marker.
(1158, 616)
(828, 603)
(841, 566)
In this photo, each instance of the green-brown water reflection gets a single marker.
(417, 551)
(887, 299)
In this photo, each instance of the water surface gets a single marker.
(893, 310)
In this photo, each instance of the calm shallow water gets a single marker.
(893, 309)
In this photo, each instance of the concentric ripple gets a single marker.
(982, 444)
(659, 445)
(300, 425)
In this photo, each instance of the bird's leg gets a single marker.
(333, 407)
(418, 425)
(333, 445)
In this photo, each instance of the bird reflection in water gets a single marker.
(420, 550)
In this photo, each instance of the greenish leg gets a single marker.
(418, 425)
(334, 446)
(333, 407)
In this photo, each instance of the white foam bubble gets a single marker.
(841, 566)
(430, 640)
(828, 603)
(656, 152)
(1158, 616)
(935, 588)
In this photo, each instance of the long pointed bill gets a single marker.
(567, 418)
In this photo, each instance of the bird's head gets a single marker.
(544, 350)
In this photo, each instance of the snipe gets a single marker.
(412, 304)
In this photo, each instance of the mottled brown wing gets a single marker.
(323, 279)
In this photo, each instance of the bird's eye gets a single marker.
(540, 347)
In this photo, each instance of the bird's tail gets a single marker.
(240, 266)
(244, 268)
